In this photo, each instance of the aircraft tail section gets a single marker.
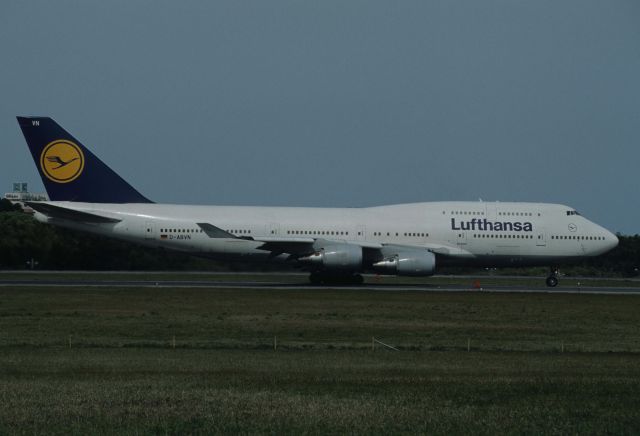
(69, 171)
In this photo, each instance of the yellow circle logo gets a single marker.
(62, 161)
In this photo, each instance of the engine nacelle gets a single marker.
(335, 257)
(408, 263)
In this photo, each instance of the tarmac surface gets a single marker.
(304, 284)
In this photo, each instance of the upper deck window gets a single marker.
(572, 212)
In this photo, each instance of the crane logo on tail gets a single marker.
(62, 161)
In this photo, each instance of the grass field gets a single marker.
(144, 360)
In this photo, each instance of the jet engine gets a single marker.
(333, 256)
(408, 263)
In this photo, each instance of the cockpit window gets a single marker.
(572, 212)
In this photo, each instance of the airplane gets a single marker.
(335, 245)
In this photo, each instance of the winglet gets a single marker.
(69, 171)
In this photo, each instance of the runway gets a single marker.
(303, 284)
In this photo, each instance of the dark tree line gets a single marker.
(624, 260)
(22, 239)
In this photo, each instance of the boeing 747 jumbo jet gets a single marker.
(333, 244)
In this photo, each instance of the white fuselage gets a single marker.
(463, 233)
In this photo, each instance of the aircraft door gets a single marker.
(148, 230)
(273, 229)
(462, 237)
(540, 237)
(490, 212)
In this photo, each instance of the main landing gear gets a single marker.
(552, 280)
(318, 278)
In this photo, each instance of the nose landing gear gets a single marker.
(552, 280)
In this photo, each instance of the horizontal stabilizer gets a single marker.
(70, 214)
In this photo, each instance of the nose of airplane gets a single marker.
(611, 240)
(608, 242)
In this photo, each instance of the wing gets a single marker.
(372, 250)
(306, 245)
(297, 246)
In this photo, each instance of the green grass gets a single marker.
(212, 391)
(100, 360)
(317, 319)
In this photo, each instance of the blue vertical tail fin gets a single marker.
(69, 171)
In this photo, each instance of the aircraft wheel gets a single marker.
(325, 279)
(358, 279)
(552, 281)
(316, 279)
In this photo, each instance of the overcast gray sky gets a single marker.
(337, 103)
